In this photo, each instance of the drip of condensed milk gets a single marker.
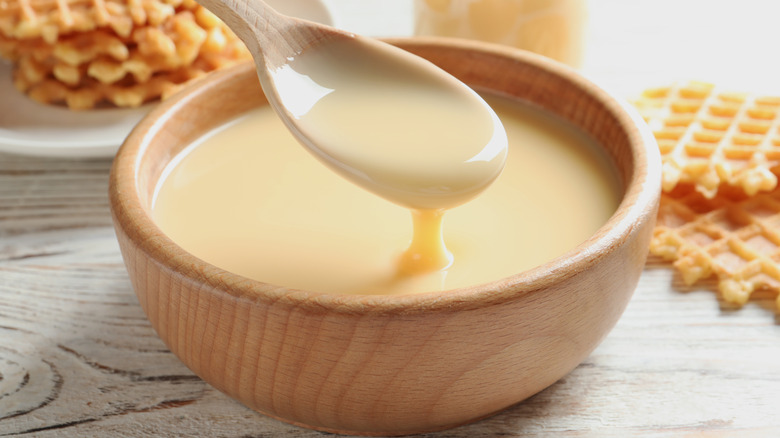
(401, 130)
(247, 199)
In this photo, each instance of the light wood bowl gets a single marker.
(389, 365)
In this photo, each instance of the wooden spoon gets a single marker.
(385, 119)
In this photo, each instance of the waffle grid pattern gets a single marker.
(710, 138)
(733, 236)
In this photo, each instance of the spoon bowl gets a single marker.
(389, 121)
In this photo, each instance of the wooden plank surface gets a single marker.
(78, 358)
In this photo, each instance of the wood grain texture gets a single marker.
(79, 358)
(383, 365)
(272, 39)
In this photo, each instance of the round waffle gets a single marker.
(83, 54)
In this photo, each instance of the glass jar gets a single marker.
(554, 28)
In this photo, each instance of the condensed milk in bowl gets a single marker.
(286, 286)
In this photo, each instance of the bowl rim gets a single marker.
(639, 202)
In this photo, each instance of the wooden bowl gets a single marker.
(389, 365)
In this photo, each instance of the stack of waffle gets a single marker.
(720, 210)
(86, 53)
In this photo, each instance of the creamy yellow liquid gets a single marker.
(396, 125)
(248, 199)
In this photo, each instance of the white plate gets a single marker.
(30, 128)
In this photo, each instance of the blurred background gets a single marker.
(626, 45)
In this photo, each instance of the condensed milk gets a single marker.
(248, 199)
(396, 125)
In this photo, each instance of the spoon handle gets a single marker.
(269, 35)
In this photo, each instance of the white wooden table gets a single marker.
(78, 357)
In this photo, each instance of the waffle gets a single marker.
(91, 93)
(710, 138)
(91, 56)
(732, 235)
(48, 19)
